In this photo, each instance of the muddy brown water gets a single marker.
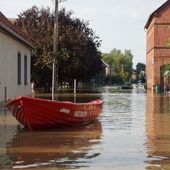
(132, 132)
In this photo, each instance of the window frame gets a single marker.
(19, 68)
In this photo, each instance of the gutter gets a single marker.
(8, 31)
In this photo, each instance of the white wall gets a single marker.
(9, 49)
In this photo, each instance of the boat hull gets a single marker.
(36, 113)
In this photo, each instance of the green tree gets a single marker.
(121, 63)
(167, 67)
(108, 58)
(141, 72)
(37, 24)
(79, 46)
(77, 53)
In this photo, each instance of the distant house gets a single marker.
(157, 52)
(15, 58)
(133, 75)
(108, 68)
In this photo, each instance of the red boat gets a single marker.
(36, 113)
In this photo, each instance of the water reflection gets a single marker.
(81, 95)
(158, 131)
(135, 134)
(71, 148)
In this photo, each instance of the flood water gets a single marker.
(132, 133)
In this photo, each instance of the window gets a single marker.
(19, 68)
(25, 70)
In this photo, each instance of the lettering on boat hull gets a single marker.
(64, 110)
(80, 113)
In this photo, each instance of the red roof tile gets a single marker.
(10, 26)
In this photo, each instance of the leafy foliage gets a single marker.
(166, 67)
(120, 62)
(141, 67)
(114, 79)
(77, 56)
(140, 72)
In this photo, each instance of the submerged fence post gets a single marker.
(74, 85)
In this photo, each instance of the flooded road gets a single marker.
(132, 133)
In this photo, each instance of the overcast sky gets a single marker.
(118, 23)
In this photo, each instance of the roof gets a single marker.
(8, 27)
(107, 65)
(155, 13)
(167, 73)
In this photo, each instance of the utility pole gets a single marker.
(55, 50)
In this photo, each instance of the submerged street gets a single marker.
(132, 132)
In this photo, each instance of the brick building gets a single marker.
(157, 53)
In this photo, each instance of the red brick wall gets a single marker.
(157, 52)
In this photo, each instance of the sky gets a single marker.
(118, 23)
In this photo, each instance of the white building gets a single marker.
(15, 58)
